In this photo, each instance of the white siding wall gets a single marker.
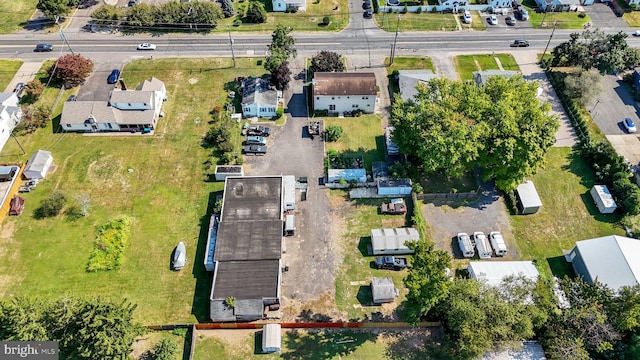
(341, 104)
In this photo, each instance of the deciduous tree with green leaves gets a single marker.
(281, 48)
(256, 14)
(327, 61)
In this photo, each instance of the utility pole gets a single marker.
(543, 61)
(395, 40)
(233, 56)
(64, 38)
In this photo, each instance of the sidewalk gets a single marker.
(26, 73)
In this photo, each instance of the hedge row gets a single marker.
(610, 168)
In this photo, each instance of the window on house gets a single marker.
(332, 107)
(317, 97)
(333, 98)
(68, 125)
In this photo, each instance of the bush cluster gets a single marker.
(610, 168)
(111, 242)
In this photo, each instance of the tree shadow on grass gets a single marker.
(364, 296)
(418, 344)
(323, 344)
(560, 267)
(363, 245)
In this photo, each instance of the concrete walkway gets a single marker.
(26, 73)
(528, 62)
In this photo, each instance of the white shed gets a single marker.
(528, 199)
(393, 241)
(38, 165)
(603, 199)
(289, 192)
(271, 338)
(383, 290)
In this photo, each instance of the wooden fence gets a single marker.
(449, 196)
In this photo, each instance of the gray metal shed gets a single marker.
(383, 290)
(271, 338)
(528, 199)
(38, 165)
(393, 241)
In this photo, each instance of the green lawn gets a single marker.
(632, 18)
(564, 20)
(363, 135)
(314, 345)
(416, 22)
(567, 214)
(15, 13)
(410, 63)
(309, 20)
(158, 180)
(8, 69)
(466, 65)
(478, 23)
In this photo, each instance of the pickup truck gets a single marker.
(391, 262)
(258, 130)
(394, 207)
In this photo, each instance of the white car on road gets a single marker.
(146, 46)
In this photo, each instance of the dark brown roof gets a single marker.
(246, 279)
(331, 83)
(249, 240)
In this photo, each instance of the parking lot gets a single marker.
(519, 26)
(95, 87)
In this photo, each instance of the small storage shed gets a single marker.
(38, 165)
(603, 199)
(393, 187)
(528, 199)
(393, 241)
(289, 192)
(383, 290)
(222, 171)
(271, 338)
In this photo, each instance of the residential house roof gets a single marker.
(393, 239)
(246, 279)
(79, 112)
(258, 91)
(408, 79)
(132, 96)
(611, 260)
(153, 84)
(481, 77)
(494, 272)
(527, 350)
(9, 103)
(249, 240)
(340, 84)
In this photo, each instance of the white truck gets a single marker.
(497, 243)
(482, 245)
(466, 246)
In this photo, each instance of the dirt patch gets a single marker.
(193, 81)
(7, 230)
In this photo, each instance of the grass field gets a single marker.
(632, 18)
(567, 214)
(466, 65)
(563, 20)
(363, 135)
(8, 69)
(15, 12)
(410, 63)
(478, 23)
(416, 22)
(157, 180)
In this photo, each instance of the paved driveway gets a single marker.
(602, 16)
(95, 87)
(612, 105)
(309, 254)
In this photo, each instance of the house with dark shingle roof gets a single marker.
(259, 99)
(340, 92)
(125, 111)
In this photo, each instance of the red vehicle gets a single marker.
(394, 207)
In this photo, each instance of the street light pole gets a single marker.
(233, 56)
(548, 42)
(395, 40)
(64, 38)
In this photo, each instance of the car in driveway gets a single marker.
(72, 98)
(466, 18)
(629, 125)
(255, 140)
(520, 43)
(43, 48)
(113, 77)
(510, 21)
(146, 46)
(254, 150)
(368, 14)
(366, 5)
(492, 20)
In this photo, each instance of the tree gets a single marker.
(32, 91)
(439, 128)
(51, 206)
(426, 280)
(107, 15)
(33, 118)
(584, 86)
(327, 61)
(227, 8)
(520, 131)
(141, 15)
(84, 201)
(70, 70)
(333, 133)
(281, 76)
(52, 8)
(281, 48)
(609, 53)
(21, 320)
(165, 349)
(256, 14)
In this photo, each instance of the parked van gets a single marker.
(392, 148)
(466, 246)
(290, 225)
(256, 140)
(482, 245)
(497, 243)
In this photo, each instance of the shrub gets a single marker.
(419, 10)
(51, 206)
(333, 133)
(227, 8)
(165, 349)
(182, 332)
(279, 113)
(404, 10)
(230, 301)
(417, 188)
(110, 244)
(326, 20)
(239, 160)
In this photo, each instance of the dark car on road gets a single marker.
(254, 150)
(520, 43)
(113, 77)
(43, 48)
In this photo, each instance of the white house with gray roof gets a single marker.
(341, 92)
(126, 110)
(259, 99)
(10, 115)
(610, 260)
